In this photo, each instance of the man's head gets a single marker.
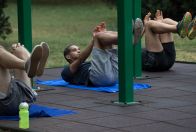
(71, 53)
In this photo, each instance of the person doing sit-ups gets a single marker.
(17, 89)
(159, 53)
(102, 69)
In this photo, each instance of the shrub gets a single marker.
(5, 26)
(174, 9)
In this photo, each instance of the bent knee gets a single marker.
(149, 23)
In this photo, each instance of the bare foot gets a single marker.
(99, 28)
(158, 16)
(147, 18)
(45, 54)
(96, 30)
(20, 51)
(103, 26)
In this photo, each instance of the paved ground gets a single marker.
(169, 106)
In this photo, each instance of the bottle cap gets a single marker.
(23, 105)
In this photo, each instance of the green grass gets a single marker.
(185, 49)
(62, 24)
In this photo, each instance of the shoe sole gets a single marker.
(33, 62)
(186, 20)
(138, 27)
(45, 54)
(192, 32)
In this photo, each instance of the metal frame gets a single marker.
(24, 23)
(129, 55)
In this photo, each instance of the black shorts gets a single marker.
(18, 92)
(159, 61)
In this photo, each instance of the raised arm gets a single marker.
(82, 57)
(87, 51)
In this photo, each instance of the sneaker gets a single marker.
(138, 28)
(32, 63)
(45, 54)
(192, 29)
(182, 26)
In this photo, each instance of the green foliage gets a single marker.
(171, 8)
(65, 2)
(110, 1)
(5, 26)
(174, 9)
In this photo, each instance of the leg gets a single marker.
(20, 52)
(181, 26)
(165, 37)
(104, 63)
(5, 79)
(8, 61)
(159, 27)
(152, 40)
(104, 67)
(153, 28)
(169, 21)
(104, 39)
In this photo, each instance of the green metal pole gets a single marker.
(137, 48)
(125, 48)
(24, 23)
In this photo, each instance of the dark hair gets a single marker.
(67, 51)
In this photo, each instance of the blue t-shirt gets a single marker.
(80, 77)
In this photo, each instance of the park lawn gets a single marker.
(60, 25)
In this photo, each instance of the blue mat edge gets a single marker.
(62, 83)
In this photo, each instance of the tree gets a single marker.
(5, 26)
(174, 9)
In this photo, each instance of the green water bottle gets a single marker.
(24, 115)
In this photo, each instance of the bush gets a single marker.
(174, 9)
(5, 26)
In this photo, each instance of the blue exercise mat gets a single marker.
(41, 111)
(109, 89)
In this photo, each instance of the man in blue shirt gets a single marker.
(102, 70)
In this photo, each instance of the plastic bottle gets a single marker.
(24, 115)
